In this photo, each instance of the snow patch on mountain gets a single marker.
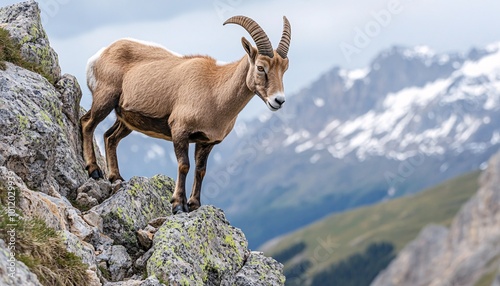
(429, 119)
(487, 66)
(350, 76)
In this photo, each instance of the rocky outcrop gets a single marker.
(212, 252)
(139, 201)
(124, 233)
(23, 22)
(39, 142)
(467, 252)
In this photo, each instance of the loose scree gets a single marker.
(183, 99)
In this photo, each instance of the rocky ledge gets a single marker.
(121, 234)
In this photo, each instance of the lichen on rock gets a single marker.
(133, 206)
(23, 22)
(202, 248)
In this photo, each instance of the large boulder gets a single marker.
(202, 248)
(37, 140)
(22, 20)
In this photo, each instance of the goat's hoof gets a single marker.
(116, 179)
(97, 174)
(193, 207)
(180, 209)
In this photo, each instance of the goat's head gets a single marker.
(267, 66)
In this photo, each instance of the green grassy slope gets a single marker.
(397, 221)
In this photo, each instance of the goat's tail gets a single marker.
(91, 77)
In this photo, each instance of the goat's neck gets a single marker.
(232, 92)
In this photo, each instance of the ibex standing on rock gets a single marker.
(183, 99)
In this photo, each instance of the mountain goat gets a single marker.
(183, 99)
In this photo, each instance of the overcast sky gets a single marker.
(325, 33)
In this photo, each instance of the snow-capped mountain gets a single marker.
(409, 120)
(441, 116)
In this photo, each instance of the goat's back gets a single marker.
(108, 66)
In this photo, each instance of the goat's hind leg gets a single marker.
(104, 101)
(111, 139)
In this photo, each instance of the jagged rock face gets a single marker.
(37, 140)
(210, 252)
(39, 129)
(22, 20)
(466, 253)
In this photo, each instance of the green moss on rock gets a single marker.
(11, 52)
(42, 250)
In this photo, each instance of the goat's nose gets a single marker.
(279, 99)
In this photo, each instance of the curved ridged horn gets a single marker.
(258, 35)
(284, 44)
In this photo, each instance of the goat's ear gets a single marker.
(251, 51)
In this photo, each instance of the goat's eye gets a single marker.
(260, 68)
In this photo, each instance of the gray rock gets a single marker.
(93, 219)
(97, 190)
(37, 141)
(150, 281)
(39, 130)
(69, 93)
(22, 20)
(462, 255)
(140, 263)
(497, 279)
(133, 206)
(199, 248)
(58, 214)
(78, 225)
(258, 270)
(14, 272)
(81, 248)
(84, 201)
(412, 268)
(119, 262)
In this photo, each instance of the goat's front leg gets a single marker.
(201, 157)
(179, 200)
